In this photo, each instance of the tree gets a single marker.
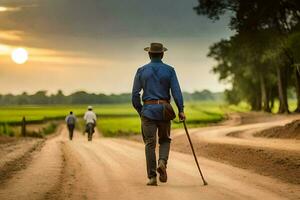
(258, 18)
(293, 44)
(40, 97)
(59, 98)
(23, 99)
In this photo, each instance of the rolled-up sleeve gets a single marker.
(176, 91)
(136, 96)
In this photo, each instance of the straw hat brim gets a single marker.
(148, 49)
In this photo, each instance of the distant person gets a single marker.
(90, 119)
(156, 79)
(71, 121)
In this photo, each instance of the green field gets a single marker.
(198, 114)
(119, 119)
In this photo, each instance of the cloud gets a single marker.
(55, 57)
(11, 35)
(9, 9)
(72, 61)
(100, 41)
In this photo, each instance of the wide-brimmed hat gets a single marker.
(156, 48)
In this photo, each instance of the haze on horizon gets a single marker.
(97, 45)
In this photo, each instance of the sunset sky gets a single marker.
(97, 45)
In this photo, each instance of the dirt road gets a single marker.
(115, 169)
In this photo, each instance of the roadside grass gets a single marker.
(51, 128)
(6, 130)
(44, 130)
(32, 130)
(36, 130)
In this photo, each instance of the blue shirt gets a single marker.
(157, 80)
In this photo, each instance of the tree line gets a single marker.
(82, 97)
(262, 59)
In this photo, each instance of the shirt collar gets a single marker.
(156, 60)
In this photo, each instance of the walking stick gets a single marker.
(192, 147)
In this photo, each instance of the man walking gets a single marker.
(90, 119)
(71, 121)
(156, 79)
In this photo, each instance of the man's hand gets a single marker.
(181, 116)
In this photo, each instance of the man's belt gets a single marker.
(156, 102)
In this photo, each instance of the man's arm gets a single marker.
(136, 97)
(177, 94)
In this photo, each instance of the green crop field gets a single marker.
(120, 119)
(198, 114)
(37, 113)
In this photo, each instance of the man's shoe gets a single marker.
(162, 170)
(152, 182)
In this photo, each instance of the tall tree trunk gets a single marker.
(282, 91)
(258, 102)
(252, 102)
(264, 95)
(272, 103)
(298, 88)
(272, 96)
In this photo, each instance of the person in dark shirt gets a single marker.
(71, 121)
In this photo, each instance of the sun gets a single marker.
(19, 55)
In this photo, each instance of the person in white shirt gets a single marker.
(90, 118)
